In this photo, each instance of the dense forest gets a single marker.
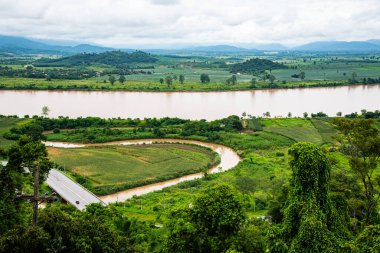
(112, 58)
(256, 66)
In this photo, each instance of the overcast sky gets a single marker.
(169, 23)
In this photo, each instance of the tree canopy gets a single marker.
(311, 222)
(256, 66)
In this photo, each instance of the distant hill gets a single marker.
(352, 46)
(20, 45)
(10, 45)
(216, 48)
(255, 66)
(266, 46)
(219, 49)
(376, 42)
(113, 58)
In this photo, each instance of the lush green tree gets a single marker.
(169, 80)
(305, 115)
(209, 224)
(122, 79)
(253, 82)
(361, 143)
(111, 79)
(27, 239)
(233, 79)
(181, 79)
(204, 78)
(11, 182)
(90, 231)
(313, 221)
(250, 238)
(354, 76)
(271, 78)
(302, 75)
(63, 229)
(161, 80)
(368, 240)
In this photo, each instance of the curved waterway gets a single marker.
(228, 159)
(191, 105)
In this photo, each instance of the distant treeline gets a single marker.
(30, 72)
(112, 58)
(67, 74)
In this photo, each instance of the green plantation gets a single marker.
(114, 168)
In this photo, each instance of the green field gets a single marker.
(316, 131)
(111, 168)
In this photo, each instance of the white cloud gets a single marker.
(130, 23)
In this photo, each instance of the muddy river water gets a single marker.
(191, 105)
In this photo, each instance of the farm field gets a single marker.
(120, 167)
(318, 70)
(317, 131)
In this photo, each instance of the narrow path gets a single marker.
(228, 159)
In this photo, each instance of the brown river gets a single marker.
(228, 160)
(191, 105)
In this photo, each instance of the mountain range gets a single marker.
(21, 45)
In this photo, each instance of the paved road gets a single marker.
(69, 190)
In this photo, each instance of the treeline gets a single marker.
(30, 72)
(364, 114)
(93, 129)
(256, 66)
(68, 74)
(112, 58)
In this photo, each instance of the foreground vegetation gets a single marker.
(285, 195)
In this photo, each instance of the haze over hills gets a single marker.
(21, 45)
(336, 46)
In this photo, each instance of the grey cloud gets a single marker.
(165, 2)
(160, 22)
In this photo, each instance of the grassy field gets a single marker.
(112, 168)
(19, 83)
(5, 125)
(317, 131)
